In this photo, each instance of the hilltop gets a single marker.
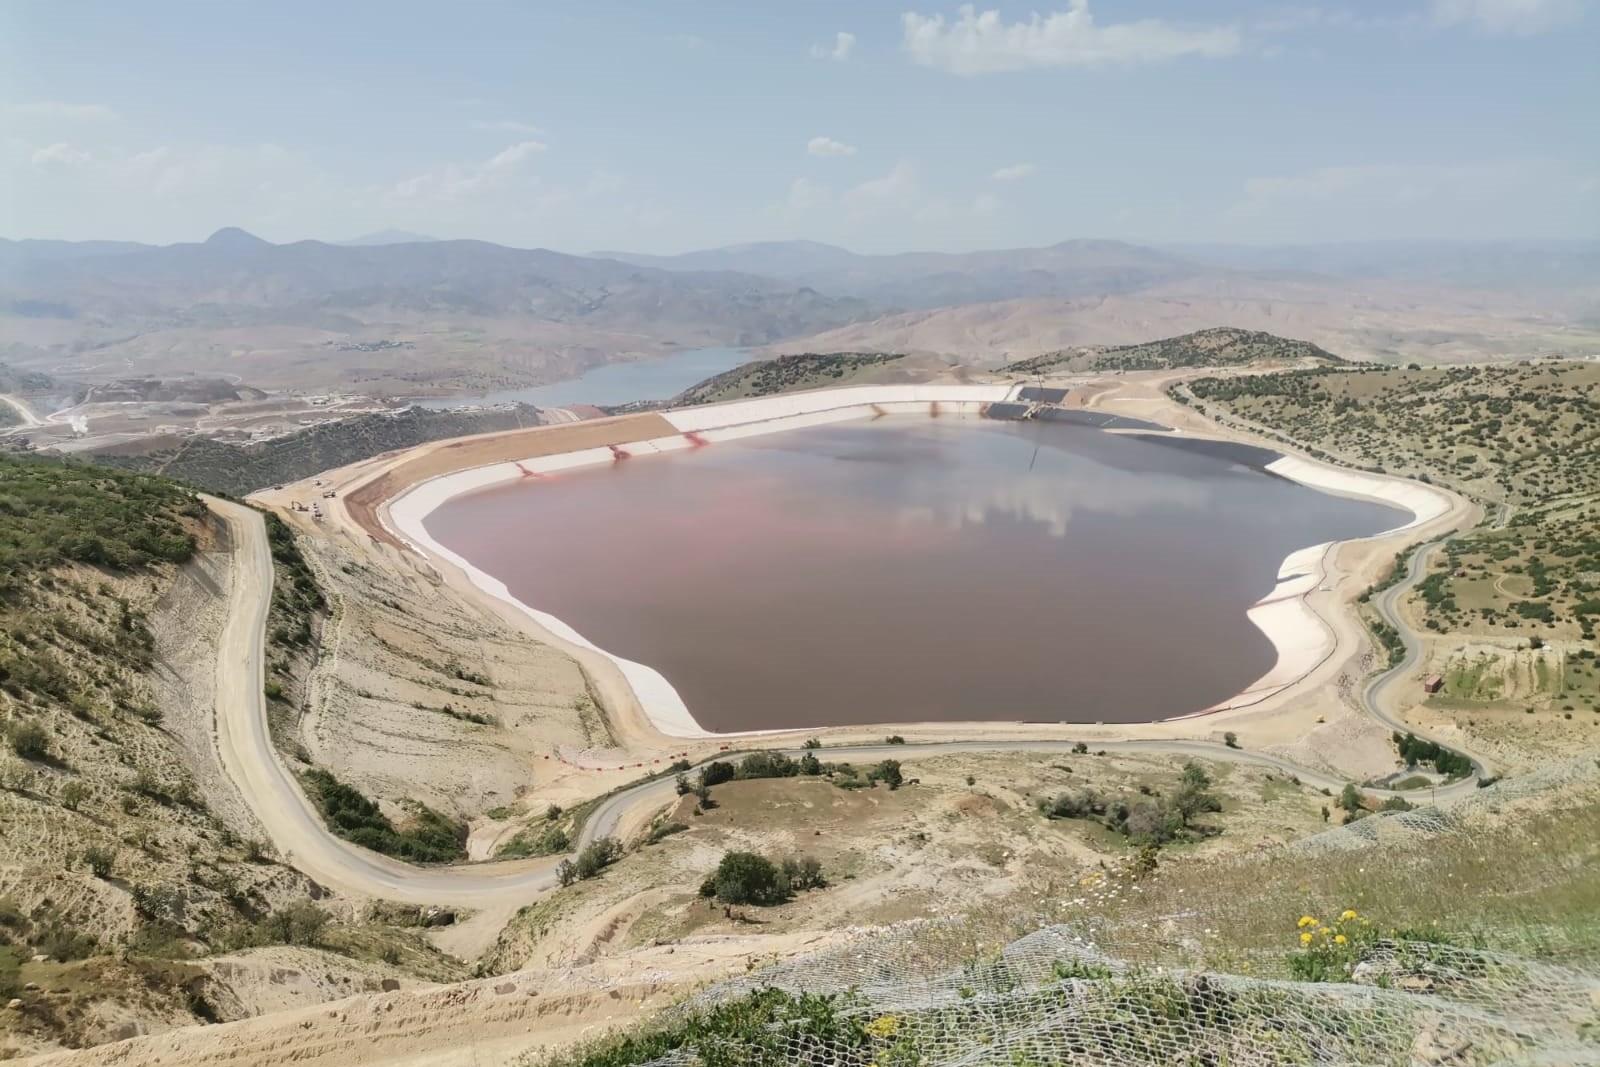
(783, 374)
(241, 469)
(1220, 347)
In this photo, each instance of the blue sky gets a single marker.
(880, 126)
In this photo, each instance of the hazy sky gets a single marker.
(879, 126)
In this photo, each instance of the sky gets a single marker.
(917, 124)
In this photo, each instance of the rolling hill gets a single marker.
(478, 315)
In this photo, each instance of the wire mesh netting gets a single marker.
(1050, 998)
(967, 991)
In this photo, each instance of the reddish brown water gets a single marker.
(913, 569)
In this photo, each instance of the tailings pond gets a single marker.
(914, 569)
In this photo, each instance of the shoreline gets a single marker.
(1302, 638)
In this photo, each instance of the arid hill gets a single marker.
(241, 469)
(1220, 347)
(269, 312)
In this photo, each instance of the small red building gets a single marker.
(1433, 683)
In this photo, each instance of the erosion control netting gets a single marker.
(1575, 777)
(1050, 998)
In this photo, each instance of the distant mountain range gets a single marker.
(235, 278)
(940, 279)
(1072, 269)
(414, 316)
(389, 237)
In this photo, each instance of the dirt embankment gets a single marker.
(431, 461)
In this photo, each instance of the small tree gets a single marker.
(300, 923)
(1194, 794)
(745, 878)
(99, 860)
(597, 856)
(802, 873)
(889, 772)
(1230, 739)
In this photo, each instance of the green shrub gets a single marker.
(301, 923)
(749, 878)
(100, 860)
(744, 878)
(28, 740)
(73, 794)
(433, 839)
(595, 857)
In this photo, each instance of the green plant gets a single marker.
(28, 740)
(1328, 952)
(301, 923)
(433, 838)
(73, 794)
(595, 857)
(744, 878)
(99, 860)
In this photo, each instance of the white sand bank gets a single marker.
(1302, 637)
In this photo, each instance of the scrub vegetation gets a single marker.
(1220, 347)
(1149, 819)
(426, 836)
(1524, 439)
(240, 469)
(783, 374)
(118, 877)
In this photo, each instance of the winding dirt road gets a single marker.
(25, 412)
(298, 833)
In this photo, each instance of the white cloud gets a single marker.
(1520, 17)
(827, 146)
(55, 109)
(59, 154)
(454, 181)
(977, 43)
(899, 185)
(1014, 172)
(506, 126)
(843, 44)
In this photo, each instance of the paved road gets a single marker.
(298, 833)
(1380, 685)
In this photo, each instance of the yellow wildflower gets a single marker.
(1306, 920)
(1341, 939)
(1305, 939)
(1348, 915)
(883, 1026)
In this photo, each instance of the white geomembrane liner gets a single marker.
(1300, 636)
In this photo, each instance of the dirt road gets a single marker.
(23, 410)
(301, 838)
